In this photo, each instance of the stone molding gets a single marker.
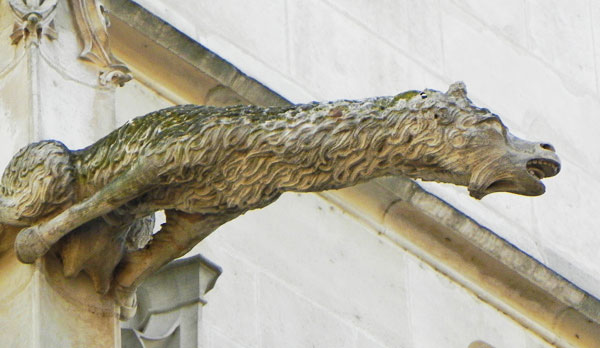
(187, 72)
(92, 23)
(34, 19)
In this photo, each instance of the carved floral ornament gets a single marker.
(34, 19)
(206, 165)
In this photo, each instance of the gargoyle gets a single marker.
(206, 165)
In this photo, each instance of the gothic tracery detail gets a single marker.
(34, 20)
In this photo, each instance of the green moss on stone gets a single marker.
(406, 95)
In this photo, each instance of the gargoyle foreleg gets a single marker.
(178, 235)
(96, 248)
(35, 241)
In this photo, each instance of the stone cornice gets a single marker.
(177, 66)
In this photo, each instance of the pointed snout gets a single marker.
(520, 170)
(547, 152)
(535, 151)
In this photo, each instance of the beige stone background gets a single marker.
(301, 272)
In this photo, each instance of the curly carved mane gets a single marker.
(238, 156)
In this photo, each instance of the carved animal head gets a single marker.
(450, 139)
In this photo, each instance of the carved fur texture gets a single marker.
(206, 165)
(39, 179)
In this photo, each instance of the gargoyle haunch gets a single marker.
(206, 165)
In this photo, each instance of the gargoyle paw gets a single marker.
(29, 246)
(127, 300)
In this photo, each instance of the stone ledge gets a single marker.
(170, 60)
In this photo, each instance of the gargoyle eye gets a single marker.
(423, 95)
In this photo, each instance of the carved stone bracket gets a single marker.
(92, 22)
(34, 19)
(170, 304)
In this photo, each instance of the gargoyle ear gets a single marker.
(458, 90)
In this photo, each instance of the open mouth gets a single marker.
(501, 186)
(542, 168)
(538, 169)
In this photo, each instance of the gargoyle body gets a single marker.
(207, 165)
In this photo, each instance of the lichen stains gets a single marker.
(405, 95)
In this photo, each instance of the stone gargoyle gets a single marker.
(207, 165)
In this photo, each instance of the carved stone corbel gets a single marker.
(34, 19)
(170, 304)
(92, 22)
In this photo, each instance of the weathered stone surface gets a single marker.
(301, 241)
(15, 131)
(220, 340)
(136, 99)
(434, 296)
(235, 310)
(41, 308)
(203, 165)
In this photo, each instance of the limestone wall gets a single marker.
(47, 93)
(302, 273)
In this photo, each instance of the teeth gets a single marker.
(538, 173)
(544, 163)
